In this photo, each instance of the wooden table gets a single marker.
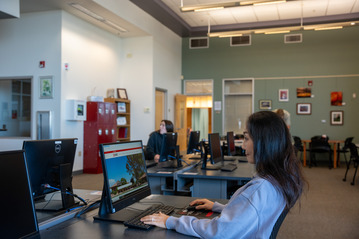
(335, 143)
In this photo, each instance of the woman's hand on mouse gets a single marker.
(202, 204)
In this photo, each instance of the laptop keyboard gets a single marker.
(135, 221)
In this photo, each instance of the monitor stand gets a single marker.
(67, 201)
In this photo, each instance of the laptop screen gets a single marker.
(125, 175)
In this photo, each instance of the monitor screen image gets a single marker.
(18, 212)
(215, 148)
(125, 175)
(50, 162)
(231, 149)
(194, 142)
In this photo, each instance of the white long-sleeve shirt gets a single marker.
(250, 213)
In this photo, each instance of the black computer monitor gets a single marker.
(125, 178)
(194, 142)
(231, 148)
(18, 211)
(170, 151)
(50, 163)
(213, 149)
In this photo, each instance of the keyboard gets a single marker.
(135, 221)
(229, 167)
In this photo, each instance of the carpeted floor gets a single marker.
(329, 209)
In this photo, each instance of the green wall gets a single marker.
(329, 58)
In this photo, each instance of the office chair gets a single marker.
(298, 146)
(319, 144)
(355, 158)
(278, 223)
(344, 149)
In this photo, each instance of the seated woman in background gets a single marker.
(255, 207)
(154, 144)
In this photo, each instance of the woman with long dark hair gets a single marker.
(154, 144)
(255, 207)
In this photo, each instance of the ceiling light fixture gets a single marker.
(260, 2)
(328, 28)
(266, 3)
(276, 32)
(216, 6)
(208, 7)
(97, 17)
(87, 12)
(111, 24)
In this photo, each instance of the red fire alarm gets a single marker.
(42, 64)
(310, 83)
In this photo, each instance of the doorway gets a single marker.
(199, 114)
(199, 106)
(160, 106)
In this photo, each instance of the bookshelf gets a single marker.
(123, 118)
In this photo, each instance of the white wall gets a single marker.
(94, 58)
(166, 61)
(137, 78)
(24, 43)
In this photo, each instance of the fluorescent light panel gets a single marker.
(216, 6)
(97, 17)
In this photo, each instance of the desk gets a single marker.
(86, 227)
(48, 219)
(336, 143)
(163, 180)
(214, 183)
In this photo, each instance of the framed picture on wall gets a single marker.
(283, 94)
(304, 108)
(46, 87)
(265, 104)
(336, 117)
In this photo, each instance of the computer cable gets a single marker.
(88, 208)
(170, 156)
(67, 192)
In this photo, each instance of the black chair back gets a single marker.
(278, 223)
(320, 144)
(298, 143)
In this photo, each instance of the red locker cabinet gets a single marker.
(100, 127)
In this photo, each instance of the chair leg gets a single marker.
(355, 173)
(346, 172)
(330, 161)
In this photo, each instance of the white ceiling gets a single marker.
(273, 12)
(196, 23)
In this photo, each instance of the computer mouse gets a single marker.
(193, 207)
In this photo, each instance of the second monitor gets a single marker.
(170, 155)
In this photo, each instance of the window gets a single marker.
(15, 107)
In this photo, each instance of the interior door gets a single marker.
(181, 121)
(160, 102)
